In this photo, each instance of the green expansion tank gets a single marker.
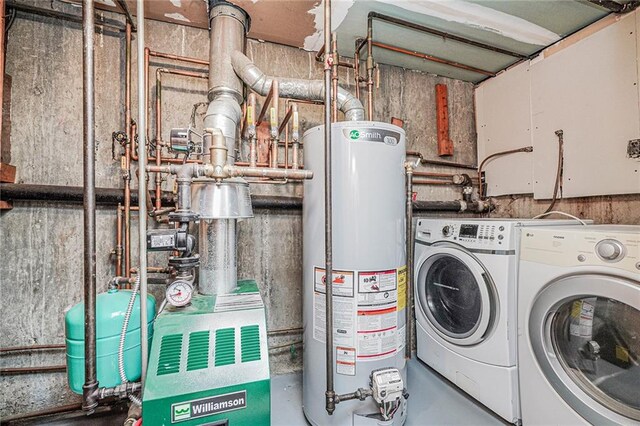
(110, 310)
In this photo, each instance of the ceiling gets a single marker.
(521, 26)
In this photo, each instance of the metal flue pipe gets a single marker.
(330, 401)
(229, 25)
(142, 192)
(90, 387)
(296, 88)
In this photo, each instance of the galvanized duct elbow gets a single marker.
(310, 90)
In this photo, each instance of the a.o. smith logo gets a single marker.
(372, 135)
(208, 406)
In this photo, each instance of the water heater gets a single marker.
(369, 267)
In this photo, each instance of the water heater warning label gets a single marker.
(344, 307)
(346, 361)
(377, 333)
(365, 314)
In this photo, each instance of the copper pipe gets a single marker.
(286, 147)
(247, 164)
(161, 211)
(320, 54)
(264, 172)
(432, 58)
(265, 105)
(127, 151)
(438, 162)
(356, 69)
(178, 58)
(286, 119)
(370, 66)
(159, 142)
(174, 160)
(432, 174)
(481, 183)
(304, 101)
(134, 145)
(284, 127)
(158, 176)
(274, 123)
(431, 182)
(334, 77)
(441, 34)
(33, 370)
(146, 85)
(119, 240)
(184, 73)
(251, 126)
(155, 270)
(31, 348)
(2, 60)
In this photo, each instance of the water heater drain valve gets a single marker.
(388, 391)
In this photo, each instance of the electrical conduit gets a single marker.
(123, 337)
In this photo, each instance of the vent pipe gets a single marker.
(229, 25)
(295, 88)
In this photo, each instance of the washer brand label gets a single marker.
(372, 135)
(208, 406)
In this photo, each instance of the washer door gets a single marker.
(585, 334)
(456, 294)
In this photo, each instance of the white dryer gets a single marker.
(465, 305)
(579, 325)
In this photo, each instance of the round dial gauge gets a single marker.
(179, 293)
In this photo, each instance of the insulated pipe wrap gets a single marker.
(295, 88)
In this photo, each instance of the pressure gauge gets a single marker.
(179, 293)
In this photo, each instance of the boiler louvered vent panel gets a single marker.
(198, 353)
(225, 352)
(250, 340)
(170, 354)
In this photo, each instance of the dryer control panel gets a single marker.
(611, 246)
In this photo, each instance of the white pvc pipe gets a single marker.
(142, 194)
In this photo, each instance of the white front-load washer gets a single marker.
(579, 325)
(465, 305)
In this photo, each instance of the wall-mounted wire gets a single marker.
(558, 184)
(560, 213)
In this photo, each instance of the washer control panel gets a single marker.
(477, 234)
(610, 250)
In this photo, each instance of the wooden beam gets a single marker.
(7, 173)
(445, 145)
(397, 122)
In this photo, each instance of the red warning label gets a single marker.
(377, 332)
(346, 361)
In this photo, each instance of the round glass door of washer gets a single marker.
(456, 296)
(597, 342)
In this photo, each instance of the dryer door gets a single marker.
(457, 296)
(585, 334)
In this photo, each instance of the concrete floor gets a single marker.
(433, 401)
(440, 403)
